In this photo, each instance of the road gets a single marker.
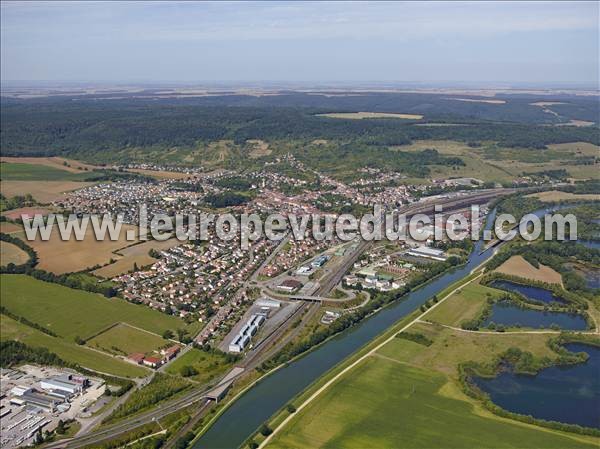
(327, 284)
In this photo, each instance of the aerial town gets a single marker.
(299, 225)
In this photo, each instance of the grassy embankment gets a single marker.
(422, 384)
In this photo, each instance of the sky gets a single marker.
(507, 43)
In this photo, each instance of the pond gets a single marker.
(592, 278)
(592, 244)
(534, 293)
(568, 394)
(509, 314)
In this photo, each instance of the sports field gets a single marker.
(517, 266)
(70, 313)
(68, 350)
(123, 339)
(386, 403)
(10, 253)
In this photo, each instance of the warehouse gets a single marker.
(428, 253)
(61, 383)
(266, 302)
(249, 329)
(41, 400)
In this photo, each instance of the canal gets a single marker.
(259, 403)
(247, 413)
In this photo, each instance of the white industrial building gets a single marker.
(241, 340)
(428, 253)
(266, 302)
(62, 383)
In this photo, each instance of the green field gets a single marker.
(208, 365)
(386, 403)
(124, 340)
(17, 171)
(466, 304)
(70, 313)
(68, 351)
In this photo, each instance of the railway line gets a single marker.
(202, 394)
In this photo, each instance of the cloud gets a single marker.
(292, 40)
(190, 21)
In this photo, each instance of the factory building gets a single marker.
(63, 383)
(428, 253)
(242, 339)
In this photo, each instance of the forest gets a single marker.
(95, 129)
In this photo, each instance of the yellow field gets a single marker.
(42, 191)
(517, 266)
(473, 100)
(363, 115)
(10, 228)
(60, 256)
(136, 254)
(10, 253)
(14, 214)
(54, 162)
(159, 174)
(556, 195)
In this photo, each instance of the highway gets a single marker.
(254, 357)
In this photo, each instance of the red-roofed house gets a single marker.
(136, 357)
(152, 362)
(170, 352)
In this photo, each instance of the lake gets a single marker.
(566, 394)
(509, 314)
(534, 293)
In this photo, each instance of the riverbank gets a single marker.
(313, 392)
(326, 399)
